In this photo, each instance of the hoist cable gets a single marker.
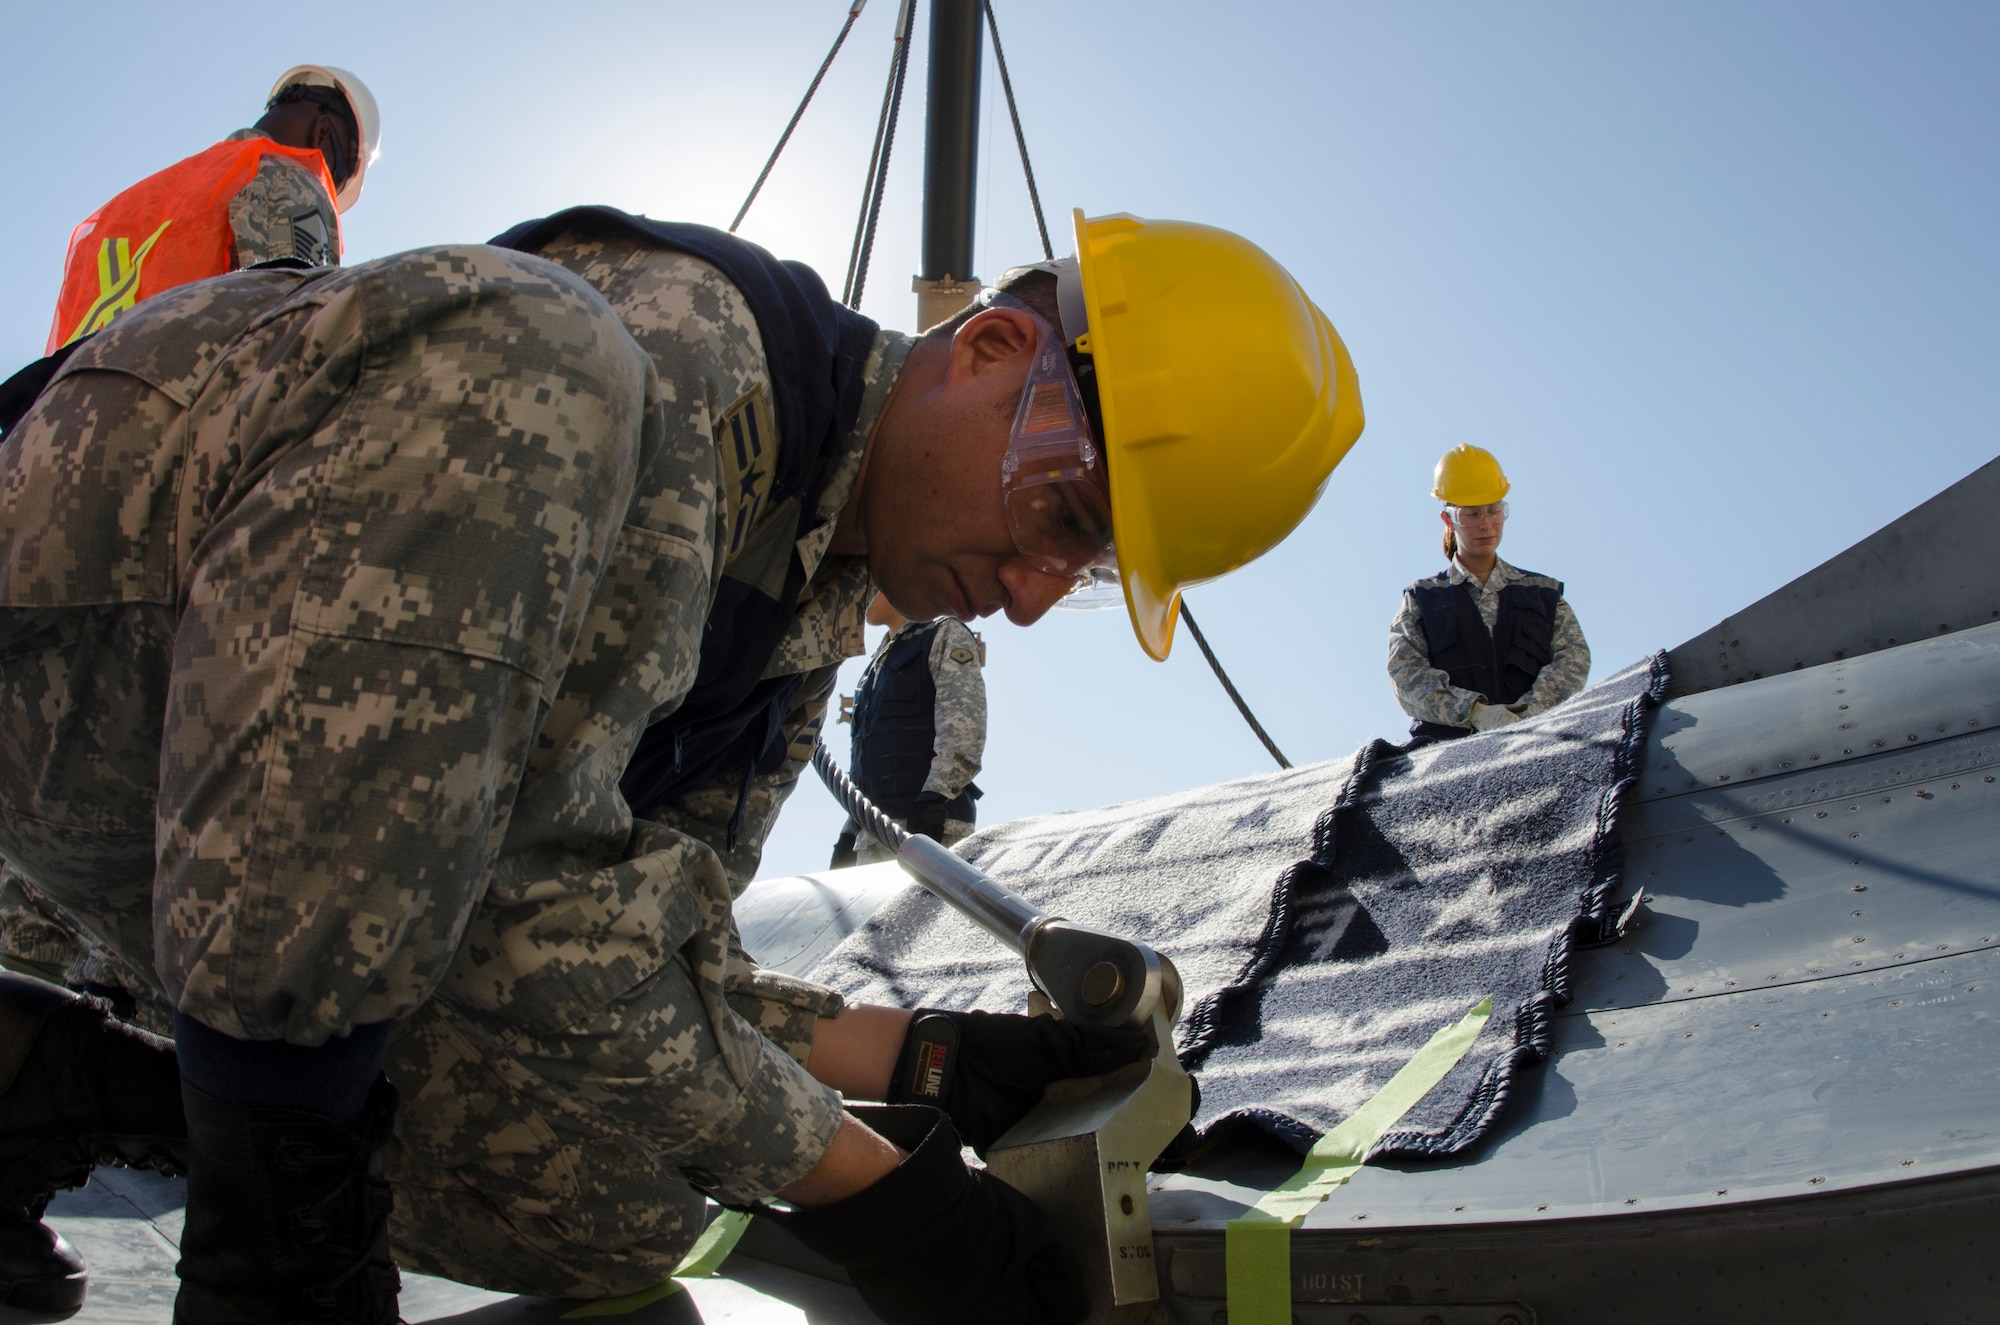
(868, 816)
(785, 137)
(1020, 138)
(1222, 676)
(868, 180)
(878, 165)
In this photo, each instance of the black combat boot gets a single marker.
(287, 1216)
(77, 1088)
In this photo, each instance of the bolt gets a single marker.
(1125, 1203)
(1102, 984)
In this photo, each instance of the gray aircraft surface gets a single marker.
(1779, 1097)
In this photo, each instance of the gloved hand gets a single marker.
(927, 816)
(987, 1069)
(1491, 717)
(937, 1241)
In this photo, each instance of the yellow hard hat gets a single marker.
(1227, 400)
(1469, 476)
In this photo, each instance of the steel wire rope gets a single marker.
(1237, 699)
(853, 13)
(865, 813)
(1035, 197)
(878, 161)
(1020, 138)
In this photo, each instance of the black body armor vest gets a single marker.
(895, 729)
(1502, 664)
(816, 349)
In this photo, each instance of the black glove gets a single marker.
(843, 852)
(927, 816)
(987, 1069)
(937, 1241)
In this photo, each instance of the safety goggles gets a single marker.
(1053, 482)
(1466, 516)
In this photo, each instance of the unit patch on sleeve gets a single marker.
(746, 442)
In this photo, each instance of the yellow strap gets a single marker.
(704, 1258)
(1259, 1245)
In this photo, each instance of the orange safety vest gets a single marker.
(166, 230)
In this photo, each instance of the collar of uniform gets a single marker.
(878, 377)
(1502, 576)
(244, 135)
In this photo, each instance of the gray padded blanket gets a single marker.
(1325, 920)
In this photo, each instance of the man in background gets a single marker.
(266, 194)
(919, 732)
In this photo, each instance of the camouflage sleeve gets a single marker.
(706, 812)
(1567, 669)
(1424, 691)
(961, 710)
(284, 213)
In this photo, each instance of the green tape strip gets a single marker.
(1259, 1245)
(704, 1258)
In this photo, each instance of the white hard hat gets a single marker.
(366, 117)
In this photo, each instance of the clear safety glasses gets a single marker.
(1053, 481)
(1490, 514)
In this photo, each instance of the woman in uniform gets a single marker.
(1481, 644)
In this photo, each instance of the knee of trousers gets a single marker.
(595, 1175)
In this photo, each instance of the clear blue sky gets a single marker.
(1717, 281)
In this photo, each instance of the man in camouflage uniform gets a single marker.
(919, 733)
(333, 610)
